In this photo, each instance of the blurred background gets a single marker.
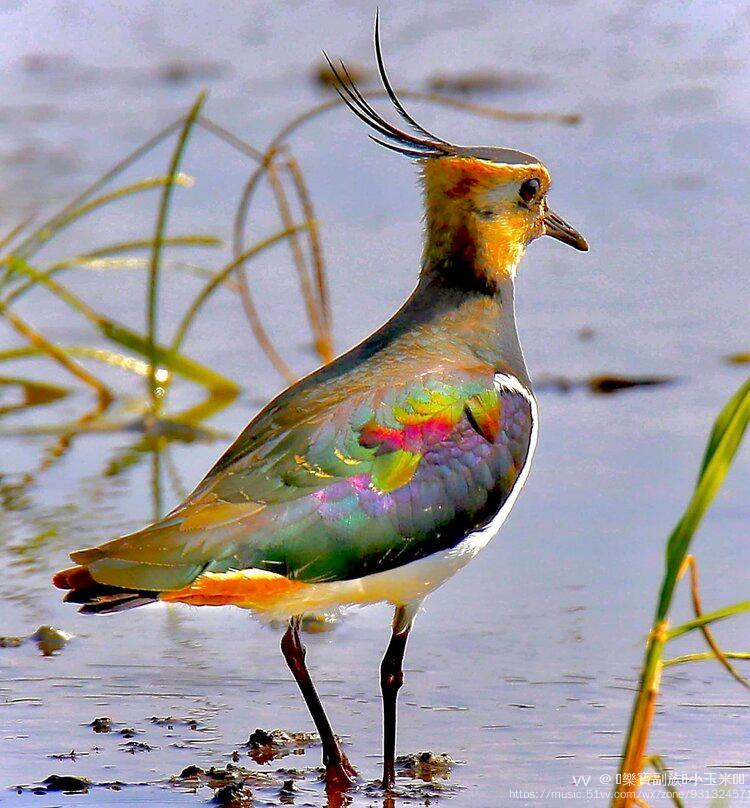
(522, 667)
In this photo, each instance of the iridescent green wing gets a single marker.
(376, 481)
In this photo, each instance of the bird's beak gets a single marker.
(558, 228)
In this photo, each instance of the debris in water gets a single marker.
(71, 784)
(234, 795)
(128, 732)
(47, 638)
(72, 755)
(169, 721)
(426, 766)
(601, 384)
(605, 384)
(50, 639)
(191, 772)
(66, 782)
(260, 738)
(102, 724)
(270, 745)
(232, 785)
(133, 747)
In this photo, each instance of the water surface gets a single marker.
(522, 667)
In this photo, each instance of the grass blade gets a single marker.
(722, 445)
(721, 425)
(59, 355)
(35, 393)
(161, 225)
(51, 223)
(703, 656)
(88, 258)
(220, 277)
(127, 338)
(708, 619)
(325, 347)
(727, 433)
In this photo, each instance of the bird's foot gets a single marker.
(388, 785)
(340, 775)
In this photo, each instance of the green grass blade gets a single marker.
(708, 618)
(720, 426)
(161, 225)
(221, 276)
(51, 223)
(703, 656)
(103, 355)
(88, 259)
(21, 267)
(722, 446)
(165, 358)
(127, 338)
(44, 235)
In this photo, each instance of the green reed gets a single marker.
(726, 436)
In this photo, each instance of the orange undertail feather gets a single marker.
(249, 588)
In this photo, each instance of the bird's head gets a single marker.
(483, 205)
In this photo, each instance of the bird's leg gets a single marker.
(391, 679)
(340, 774)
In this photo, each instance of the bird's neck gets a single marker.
(472, 253)
(482, 323)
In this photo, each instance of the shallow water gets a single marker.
(522, 667)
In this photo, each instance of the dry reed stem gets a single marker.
(691, 565)
(229, 138)
(316, 254)
(298, 255)
(248, 304)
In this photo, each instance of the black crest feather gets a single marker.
(420, 144)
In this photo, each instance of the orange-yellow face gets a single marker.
(484, 213)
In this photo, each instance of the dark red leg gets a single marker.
(340, 774)
(391, 679)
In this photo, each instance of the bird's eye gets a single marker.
(529, 189)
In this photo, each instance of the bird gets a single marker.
(379, 475)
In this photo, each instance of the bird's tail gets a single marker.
(96, 598)
(169, 561)
(131, 570)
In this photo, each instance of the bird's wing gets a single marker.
(359, 484)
